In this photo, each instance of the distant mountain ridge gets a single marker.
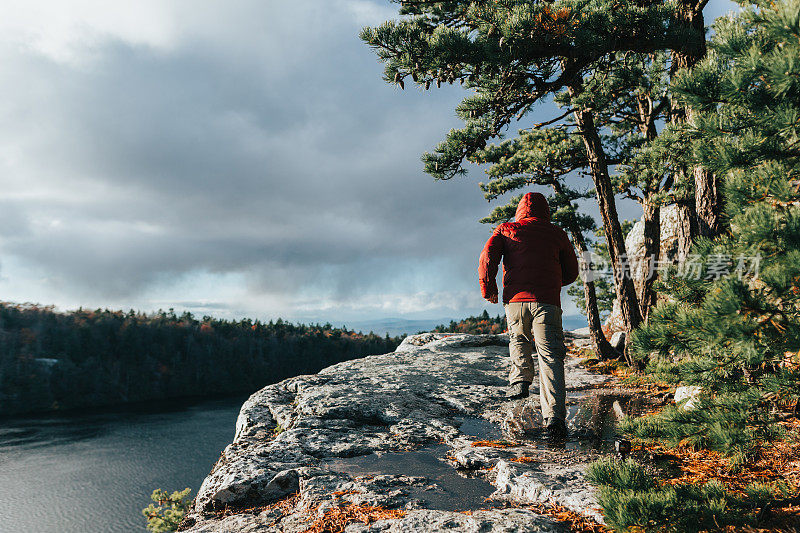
(397, 326)
(403, 326)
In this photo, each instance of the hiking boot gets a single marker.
(518, 390)
(555, 430)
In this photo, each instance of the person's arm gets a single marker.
(488, 264)
(569, 262)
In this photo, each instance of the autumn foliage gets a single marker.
(475, 325)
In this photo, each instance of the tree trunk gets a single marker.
(602, 347)
(626, 292)
(706, 219)
(708, 203)
(686, 230)
(651, 218)
(652, 251)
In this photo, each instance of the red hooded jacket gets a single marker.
(538, 258)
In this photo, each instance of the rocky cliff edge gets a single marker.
(420, 439)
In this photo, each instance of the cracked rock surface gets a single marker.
(399, 431)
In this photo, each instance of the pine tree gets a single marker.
(735, 331)
(701, 203)
(631, 97)
(513, 54)
(167, 511)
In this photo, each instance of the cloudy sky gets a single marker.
(238, 158)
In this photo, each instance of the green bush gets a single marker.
(167, 511)
(631, 497)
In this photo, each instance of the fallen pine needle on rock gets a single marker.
(523, 459)
(494, 444)
(336, 519)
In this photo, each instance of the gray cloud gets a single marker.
(269, 147)
(255, 140)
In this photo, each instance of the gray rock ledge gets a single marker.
(340, 436)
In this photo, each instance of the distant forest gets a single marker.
(475, 324)
(51, 360)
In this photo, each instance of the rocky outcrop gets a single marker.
(690, 393)
(634, 247)
(634, 241)
(425, 430)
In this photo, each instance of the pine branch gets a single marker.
(539, 125)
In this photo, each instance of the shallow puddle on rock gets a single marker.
(479, 428)
(452, 492)
(575, 408)
(599, 413)
(592, 417)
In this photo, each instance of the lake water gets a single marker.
(94, 472)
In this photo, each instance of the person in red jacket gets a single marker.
(538, 259)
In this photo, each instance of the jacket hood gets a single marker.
(533, 205)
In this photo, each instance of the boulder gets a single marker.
(618, 340)
(690, 394)
(260, 488)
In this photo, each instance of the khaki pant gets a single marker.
(530, 322)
